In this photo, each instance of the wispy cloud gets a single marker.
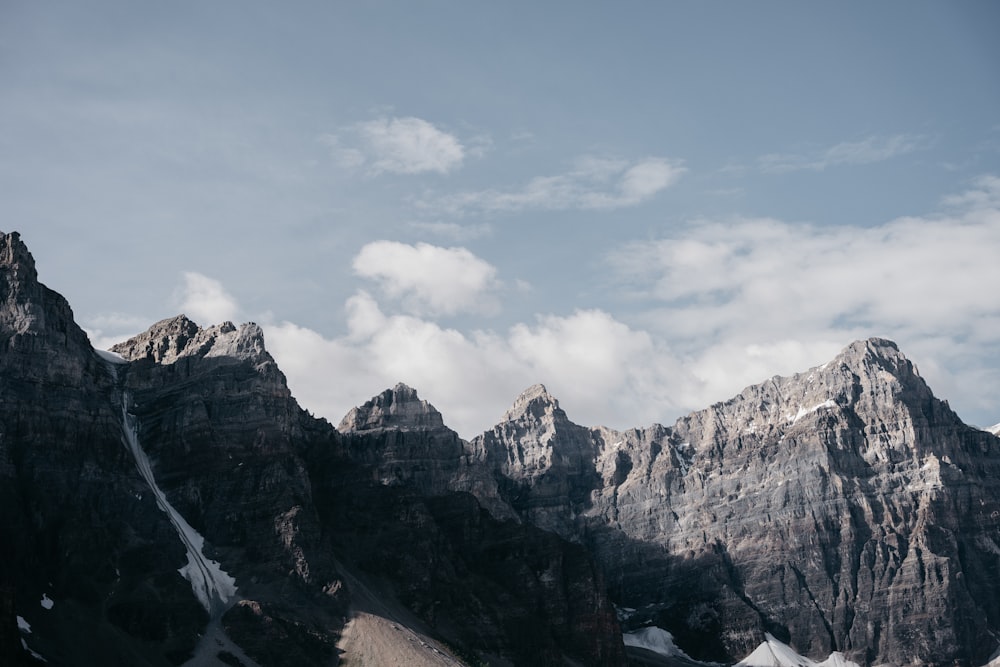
(593, 183)
(400, 145)
(454, 230)
(866, 151)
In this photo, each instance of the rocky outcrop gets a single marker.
(541, 464)
(400, 439)
(215, 413)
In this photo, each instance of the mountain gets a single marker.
(170, 503)
(842, 509)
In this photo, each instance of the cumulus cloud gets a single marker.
(866, 151)
(724, 304)
(106, 329)
(205, 300)
(594, 364)
(748, 296)
(593, 183)
(399, 145)
(429, 279)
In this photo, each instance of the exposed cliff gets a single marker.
(844, 508)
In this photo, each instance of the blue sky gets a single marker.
(645, 206)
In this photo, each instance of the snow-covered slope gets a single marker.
(654, 639)
(214, 588)
(773, 653)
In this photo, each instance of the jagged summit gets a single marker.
(877, 354)
(29, 307)
(535, 401)
(178, 337)
(398, 408)
(14, 253)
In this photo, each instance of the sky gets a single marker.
(645, 206)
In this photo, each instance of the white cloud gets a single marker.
(429, 279)
(749, 297)
(594, 183)
(400, 145)
(106, 329)
(728, 304)
(205, 300)
(600, 369)
(866, 151)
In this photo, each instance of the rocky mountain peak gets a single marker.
(876, 355)
(396, 408)
(14, 256)
(535, 402)
(177, 337)
(29, 307)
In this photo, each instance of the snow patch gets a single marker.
(46, 601)
(773, 653)
(34, 655)
(213, 587)
(112, 357)
(685, 456)
(825, 405)
(995, 429)
(654, 639)
(994, 659)
(23, 625)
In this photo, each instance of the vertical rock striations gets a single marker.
(844, 508)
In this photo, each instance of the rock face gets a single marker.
(842, 509)
(308, 522)
(77, 528)
(499, 591)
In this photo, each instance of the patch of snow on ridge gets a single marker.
(213, 587)
(112, 357)
(656, 640)
(994, 659)
(825, 405)
(773, 653)
(34, 655)
(23, 625)
(995, 429)
(46, 601)
(685, 456)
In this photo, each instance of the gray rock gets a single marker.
(844, 508)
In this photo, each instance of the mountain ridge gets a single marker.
(842, 509)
